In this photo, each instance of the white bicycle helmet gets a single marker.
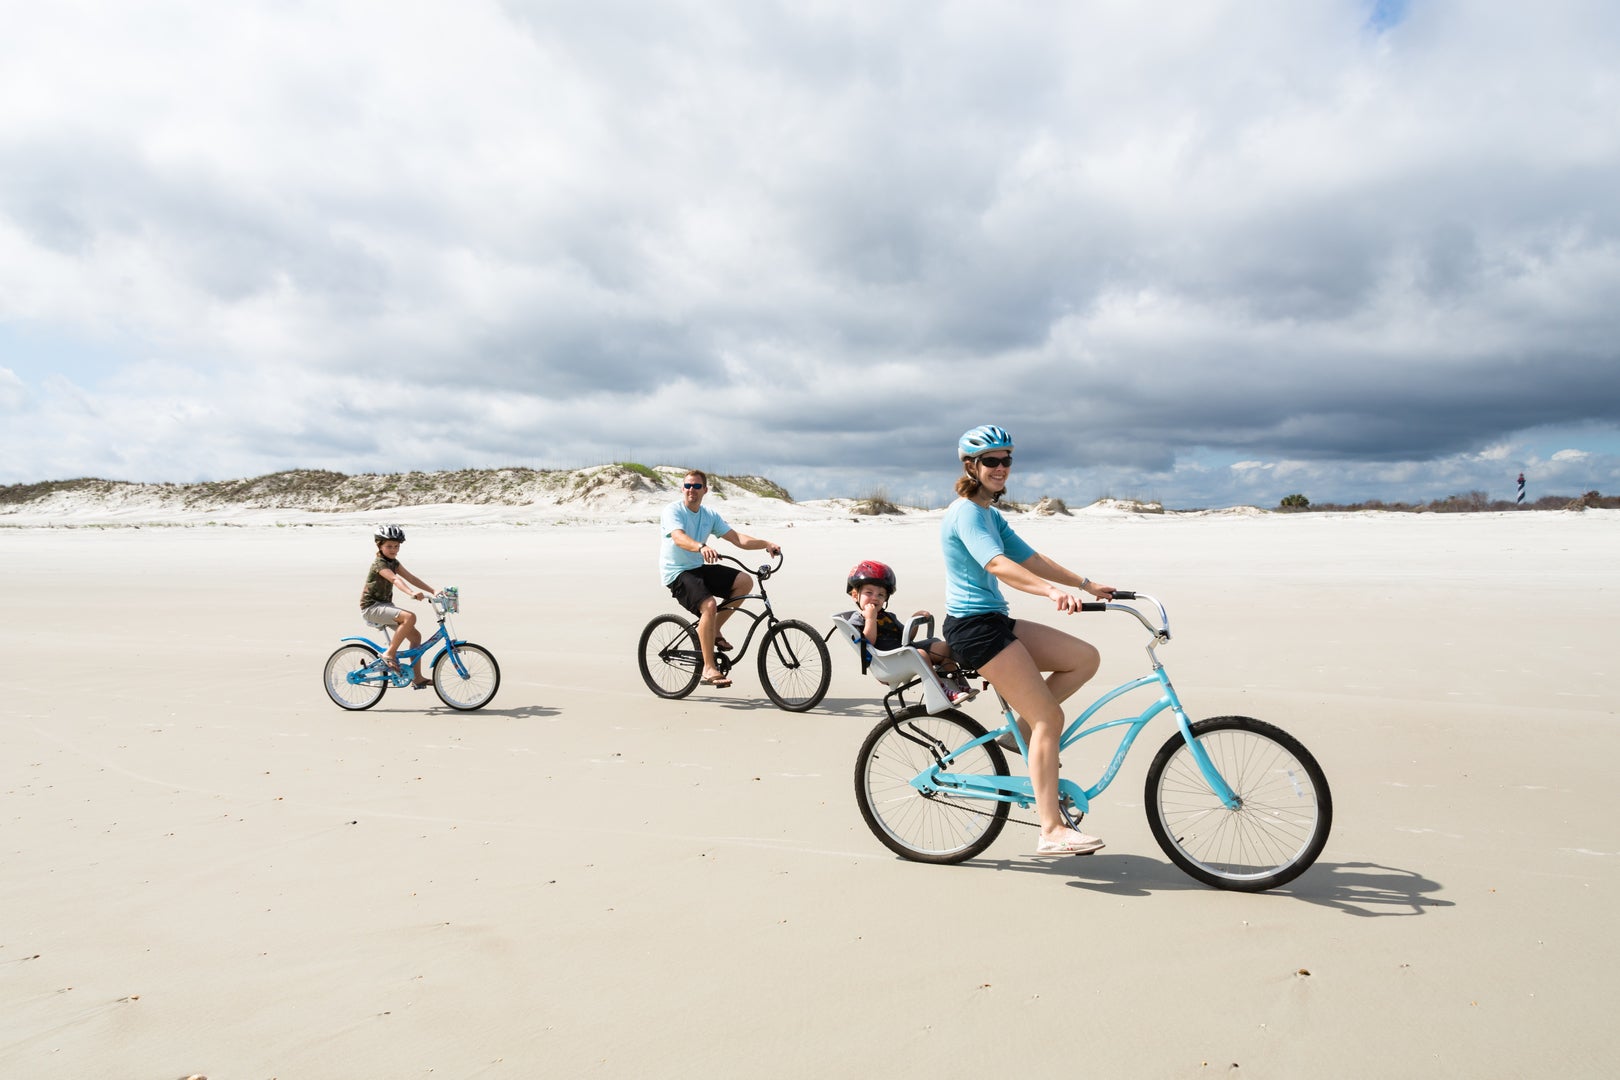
(390, 532)
(982, 440)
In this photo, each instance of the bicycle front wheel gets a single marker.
(932, 828)
(473, 690)
(670, 656)
(794, 666)
(1284, 807)
(353, 696)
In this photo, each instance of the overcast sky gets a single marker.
(1206, 252)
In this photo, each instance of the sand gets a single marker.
(210, 869)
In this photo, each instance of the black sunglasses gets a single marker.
(693, 487)
(996, 462)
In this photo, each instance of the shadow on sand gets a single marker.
(1363, 889)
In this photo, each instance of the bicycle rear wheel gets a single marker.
(937, 828)
(353, 696)
(794, 666)
(477, 688)
(670, 657)
(1280, 825)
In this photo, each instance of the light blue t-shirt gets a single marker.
(674, 560)
(971, 535)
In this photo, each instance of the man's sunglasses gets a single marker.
(996, 462)
(693, 487)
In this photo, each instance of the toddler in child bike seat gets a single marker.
(870, 584)
(377, 598)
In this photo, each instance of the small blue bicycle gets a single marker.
(1235, 802)
(465, 676)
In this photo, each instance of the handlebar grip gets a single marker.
(1124, 594)
(1094, 607)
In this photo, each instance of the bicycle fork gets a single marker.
(1212, 776)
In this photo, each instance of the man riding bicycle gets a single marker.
(687, 562)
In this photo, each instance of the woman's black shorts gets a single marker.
(975, 640)
(701, 582)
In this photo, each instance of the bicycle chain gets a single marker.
(1010, 819)
(987, 813)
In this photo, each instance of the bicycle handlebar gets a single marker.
(764, 572)
(1161, 631)
(1102, 605)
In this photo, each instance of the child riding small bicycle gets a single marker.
(377, 598)
(870, 584)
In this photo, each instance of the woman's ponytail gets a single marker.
(967, 485)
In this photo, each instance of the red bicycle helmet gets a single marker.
(870, 572)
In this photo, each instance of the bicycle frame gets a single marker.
(734, 604)
(1019, 789)
(768, 617)
(410, 656)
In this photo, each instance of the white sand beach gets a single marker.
(210, 869)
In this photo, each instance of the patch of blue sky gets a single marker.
(1384, 14)
(1590, 438)
(34, 352)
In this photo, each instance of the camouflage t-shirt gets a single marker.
(378, 589)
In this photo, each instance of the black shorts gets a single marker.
(975, 640)
(701, 582)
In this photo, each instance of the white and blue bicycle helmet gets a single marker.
(982, 440)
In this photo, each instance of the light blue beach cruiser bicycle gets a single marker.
(1235, 802)
(465, 676)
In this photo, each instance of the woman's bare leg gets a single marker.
(1014, 675)
(1072, 662)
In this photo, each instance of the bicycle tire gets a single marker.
(794, 666)
(670, 656)
(932, 829)
(477, 689)
(348, 658)
(1275, 834)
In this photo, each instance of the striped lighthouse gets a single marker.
(1520, 500)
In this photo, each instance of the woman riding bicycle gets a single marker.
(981, 553)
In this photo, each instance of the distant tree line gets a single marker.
(1473, 502)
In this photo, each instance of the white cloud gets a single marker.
(715, 230)
(12, 391)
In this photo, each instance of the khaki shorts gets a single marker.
(381, 615)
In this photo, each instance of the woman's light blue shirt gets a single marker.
(971, 535)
